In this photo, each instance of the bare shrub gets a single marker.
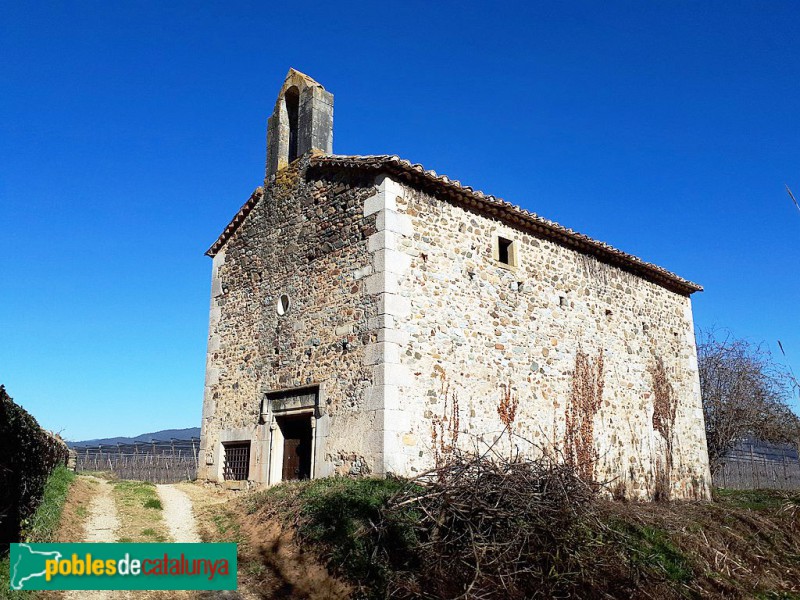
(445, 428)
(745, 394)
(507, 408)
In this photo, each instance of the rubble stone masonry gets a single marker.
(307, 240)
(598, 365)
(421, 340)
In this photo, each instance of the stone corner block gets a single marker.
(381, 321)
(393, 304)
(395, 221)
(381, 240)
(381, 283)
(375, 204)
(379, 398)
(392, 374)
(396, 336)
(381, 352)
(391, 261)
(388, 185)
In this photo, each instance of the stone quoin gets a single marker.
(368, 316)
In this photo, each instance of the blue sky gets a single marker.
(130, 133)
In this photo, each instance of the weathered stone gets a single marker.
(401, 316)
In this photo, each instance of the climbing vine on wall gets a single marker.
(584, 402)
(665, 407)
(507, 409)
(445, 427)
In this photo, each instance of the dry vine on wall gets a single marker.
(444, 427)
(665, 406)
(507, 409)
(584, 402)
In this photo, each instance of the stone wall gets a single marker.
(560, 354)
(421, 341)
(306, 239)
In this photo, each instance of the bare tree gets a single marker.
(745, 394)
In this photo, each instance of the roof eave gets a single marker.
(234, 223)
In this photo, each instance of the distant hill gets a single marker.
(159, 436)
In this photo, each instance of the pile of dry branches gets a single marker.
(490, 528)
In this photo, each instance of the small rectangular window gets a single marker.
(237, 461)
(504, 251)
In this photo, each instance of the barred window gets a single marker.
(237, 461)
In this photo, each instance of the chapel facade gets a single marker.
(368, 316)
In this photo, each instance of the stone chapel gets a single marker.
(368, 316)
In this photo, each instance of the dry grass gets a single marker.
(271, 563)
(206, 500)
(510, 538)
(76, 510)
(746, 544)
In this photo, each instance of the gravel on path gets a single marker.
(178, 514)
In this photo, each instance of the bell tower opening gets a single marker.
(301, 122)
(292, 100)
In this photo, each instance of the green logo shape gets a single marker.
(123, 566)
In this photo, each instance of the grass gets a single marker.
(227, 526)
(154, 535)
(76, 509)
(136, 490)
(759, 500)
(5, 576)
(650, 547)
(336, 514)
(43, 525)
(254, 568)
(339, 512)
(140, 512)
(745, 544)
(153, 503)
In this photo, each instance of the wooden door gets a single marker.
(291, 459)
(296, 448)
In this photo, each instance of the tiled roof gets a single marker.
(463, 194)
(237, 220)
(539, 225)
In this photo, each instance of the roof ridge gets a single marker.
(581, 240)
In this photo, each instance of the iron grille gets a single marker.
(237, 461)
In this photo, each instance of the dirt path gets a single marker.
(178, 514)
(109, 517)
(103, 521)
(102, 524)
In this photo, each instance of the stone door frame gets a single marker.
(289, 403)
